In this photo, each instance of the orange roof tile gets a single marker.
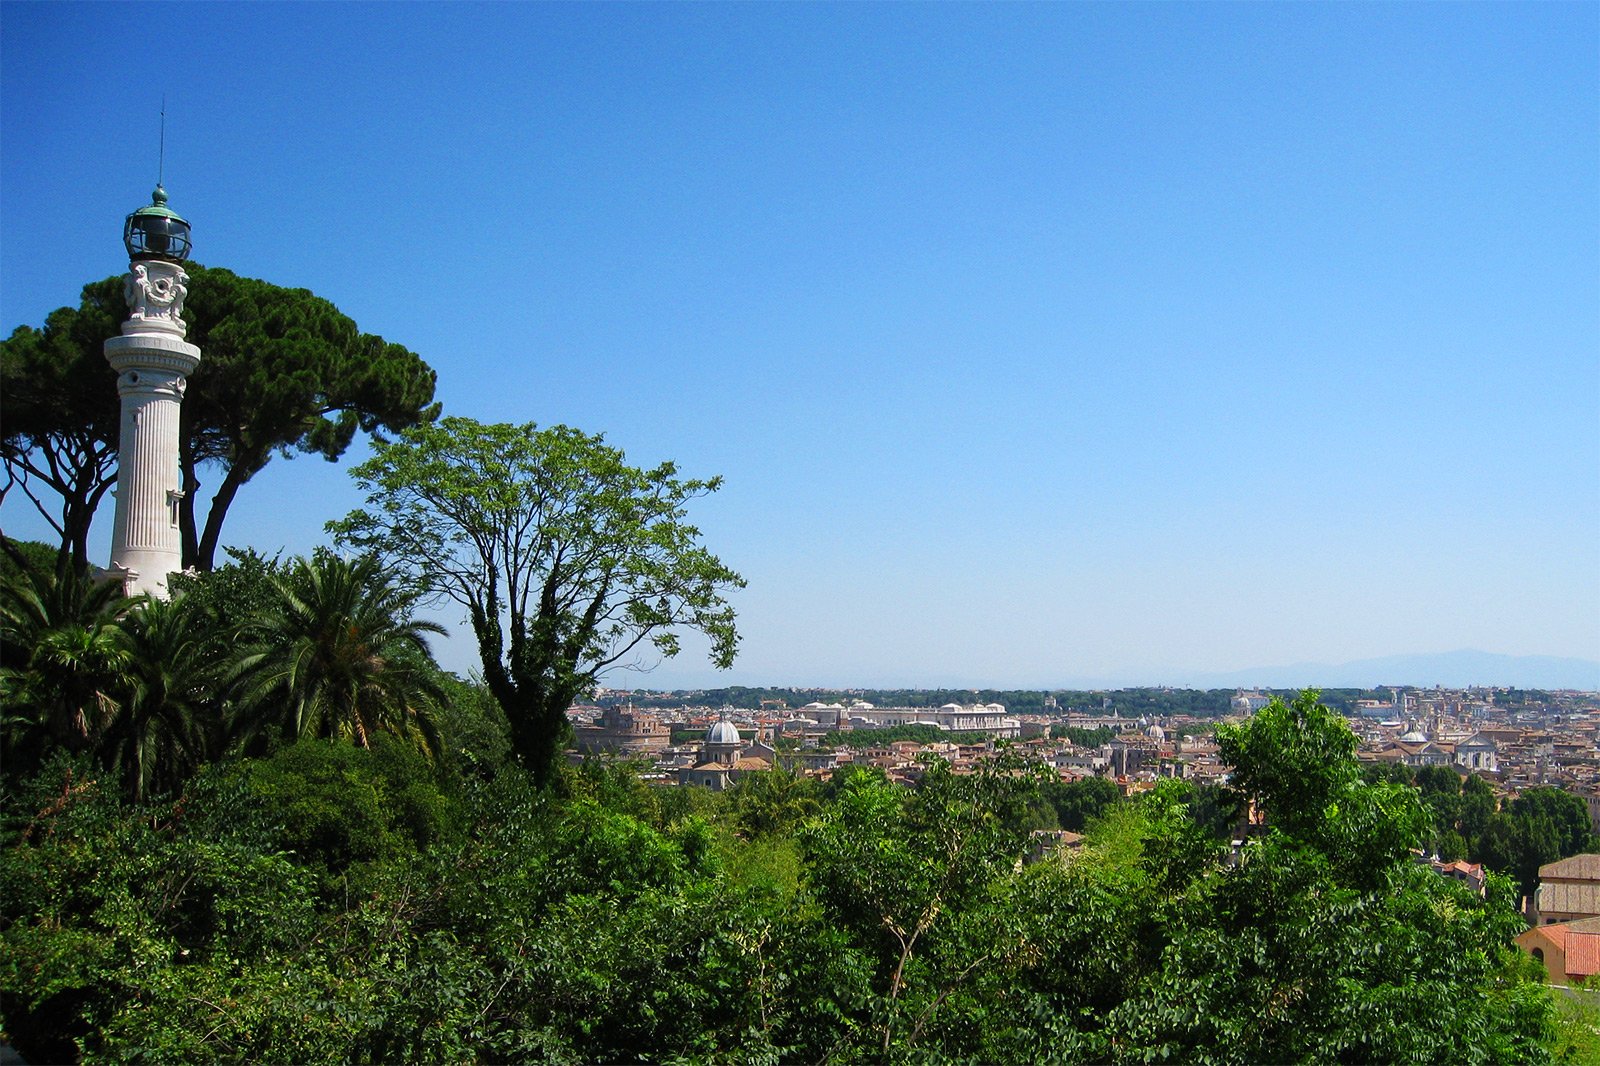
(1583, 954)
(1555, 935)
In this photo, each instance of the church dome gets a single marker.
(722, 733)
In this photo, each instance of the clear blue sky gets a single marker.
(1035, 342)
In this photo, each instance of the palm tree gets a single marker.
(338, 655)
(65, 663)
(171, 716)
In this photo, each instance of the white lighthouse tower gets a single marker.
(153, 362)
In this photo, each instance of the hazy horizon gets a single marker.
(1458, 669)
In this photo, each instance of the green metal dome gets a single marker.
(155, 231)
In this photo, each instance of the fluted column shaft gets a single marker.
(153, 363)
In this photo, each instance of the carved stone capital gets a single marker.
(155, 291)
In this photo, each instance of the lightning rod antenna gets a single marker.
(161, 160)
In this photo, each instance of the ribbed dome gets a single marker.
(722, 733)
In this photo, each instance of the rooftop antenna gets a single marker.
(161, 160)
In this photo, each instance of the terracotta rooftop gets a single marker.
(1583, 954)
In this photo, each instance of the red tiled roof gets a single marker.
(1583, 954)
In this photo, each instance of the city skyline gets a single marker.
(1034, 343)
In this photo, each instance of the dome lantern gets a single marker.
(156, 232)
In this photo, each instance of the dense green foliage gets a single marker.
(282, 372)
(337, 903)
(338, 654)
(1077, 803)
(62, 414)
(65, 662)
(248, 657)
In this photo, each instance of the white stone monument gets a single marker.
(153, 363)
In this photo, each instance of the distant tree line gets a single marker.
(916, 733)
(1080, 737)
(1130, 703)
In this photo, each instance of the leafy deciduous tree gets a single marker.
(567, 560)
(1298, 761)
(911, 876)
(1326, 941)
(1078, 802)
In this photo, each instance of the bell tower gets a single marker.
(153, 363)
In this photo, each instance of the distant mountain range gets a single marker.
(1452, 669)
